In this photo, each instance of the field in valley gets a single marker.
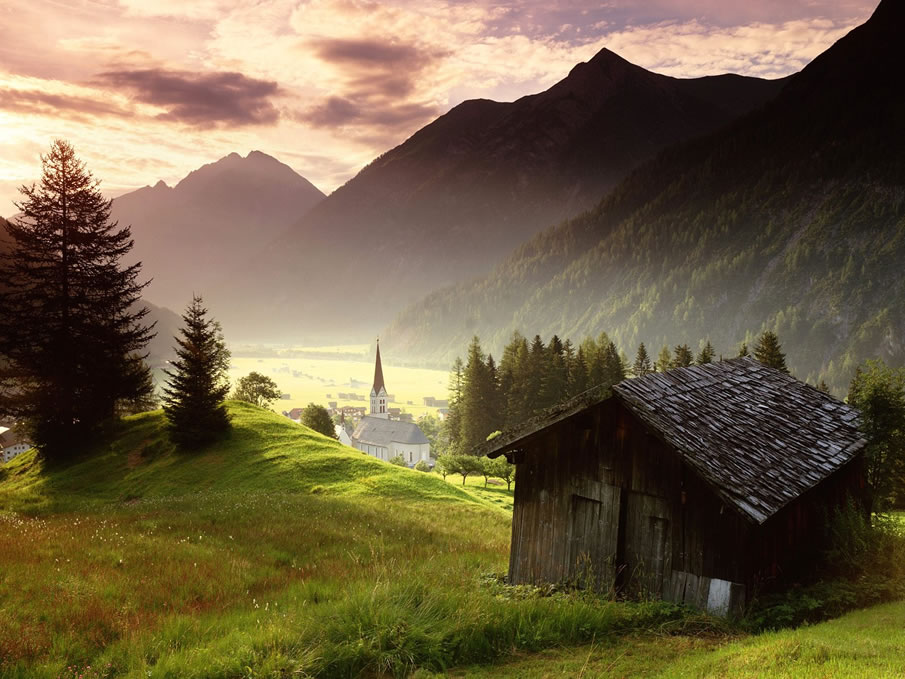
(279, 552)
(321, 380)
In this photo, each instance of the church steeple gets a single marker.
(379, 390)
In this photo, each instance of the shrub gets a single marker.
(399, 461)
(422, 466)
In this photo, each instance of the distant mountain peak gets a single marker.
(161, 184)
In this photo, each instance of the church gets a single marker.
(383, 438)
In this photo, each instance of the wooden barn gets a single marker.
(701, 485)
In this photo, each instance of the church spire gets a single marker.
(378, 372)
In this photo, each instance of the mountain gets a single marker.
(459, 194)
(190, 236)
(792, 219)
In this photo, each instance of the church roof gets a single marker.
(380, 432)
(378, 373)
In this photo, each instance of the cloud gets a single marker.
(200, 99)
(57, 104)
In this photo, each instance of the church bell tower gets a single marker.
(379, 391)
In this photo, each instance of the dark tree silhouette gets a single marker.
(198, 384)
(71, 330)
(769, 351)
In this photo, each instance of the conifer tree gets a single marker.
(493, 397)
(198, 384)
(769, 351)
(743, 350)
(664, 360)
(535, 377)
(477, 392)
(642, 365)
(71, 329)
(557, 377)
(453, 422)
(706, 355)
(682, 356)
(578, 374)
(614, 369)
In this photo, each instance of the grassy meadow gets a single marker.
(320, 380)
(278, 552)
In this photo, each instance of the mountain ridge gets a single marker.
(485, 172)
(760, 225)
(192, 235)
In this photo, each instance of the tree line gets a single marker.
(532, 377)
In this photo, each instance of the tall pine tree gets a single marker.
(664, 360)
(71, 330)
(453, 422)
(198, 384)
(682, 356)
(707, 354)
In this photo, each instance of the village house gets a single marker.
(11, 444)
(701, 485)
(385, 438)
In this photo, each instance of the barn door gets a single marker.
(593, 538)
(648, 548)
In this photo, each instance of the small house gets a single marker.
(701, 485)
(11, 445)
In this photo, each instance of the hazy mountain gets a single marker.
(190, 236)
(463, 191)
(791, 219)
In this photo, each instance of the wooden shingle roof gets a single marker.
(758, 436)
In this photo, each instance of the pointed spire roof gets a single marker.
(378, 373)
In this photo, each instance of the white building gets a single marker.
(383, 438)
(11, 445)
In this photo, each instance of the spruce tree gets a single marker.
(769, 351)
(642, 365)
(682, 356)
(578, 374)
(477, 420)
(556, 384)
(743, 350)
(707, 354)
(664, 360)
(72, 334)
(453, 422)
(614, 369)
(198, 384)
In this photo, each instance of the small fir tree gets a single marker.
(198, 384)
(769, 351)
(682, 356)
(706, 355)
(642, 365)
(664, 359)
(743, 350)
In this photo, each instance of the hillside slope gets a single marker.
(467, 188)
(191, 236)
(792, 219)
(264, 452)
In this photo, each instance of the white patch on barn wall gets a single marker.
(718, 597)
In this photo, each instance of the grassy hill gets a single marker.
(279, 552)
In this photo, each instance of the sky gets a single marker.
(151, 89)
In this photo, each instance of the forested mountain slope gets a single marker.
(791, 219)
(458, 195)
(191, 236)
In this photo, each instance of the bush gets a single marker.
(422, 466)
(865, 566)
(399, 461)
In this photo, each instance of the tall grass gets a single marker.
(275, 553)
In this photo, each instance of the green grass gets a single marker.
(866, 643)
(493, 494)
(279, 552)
(276, 552)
